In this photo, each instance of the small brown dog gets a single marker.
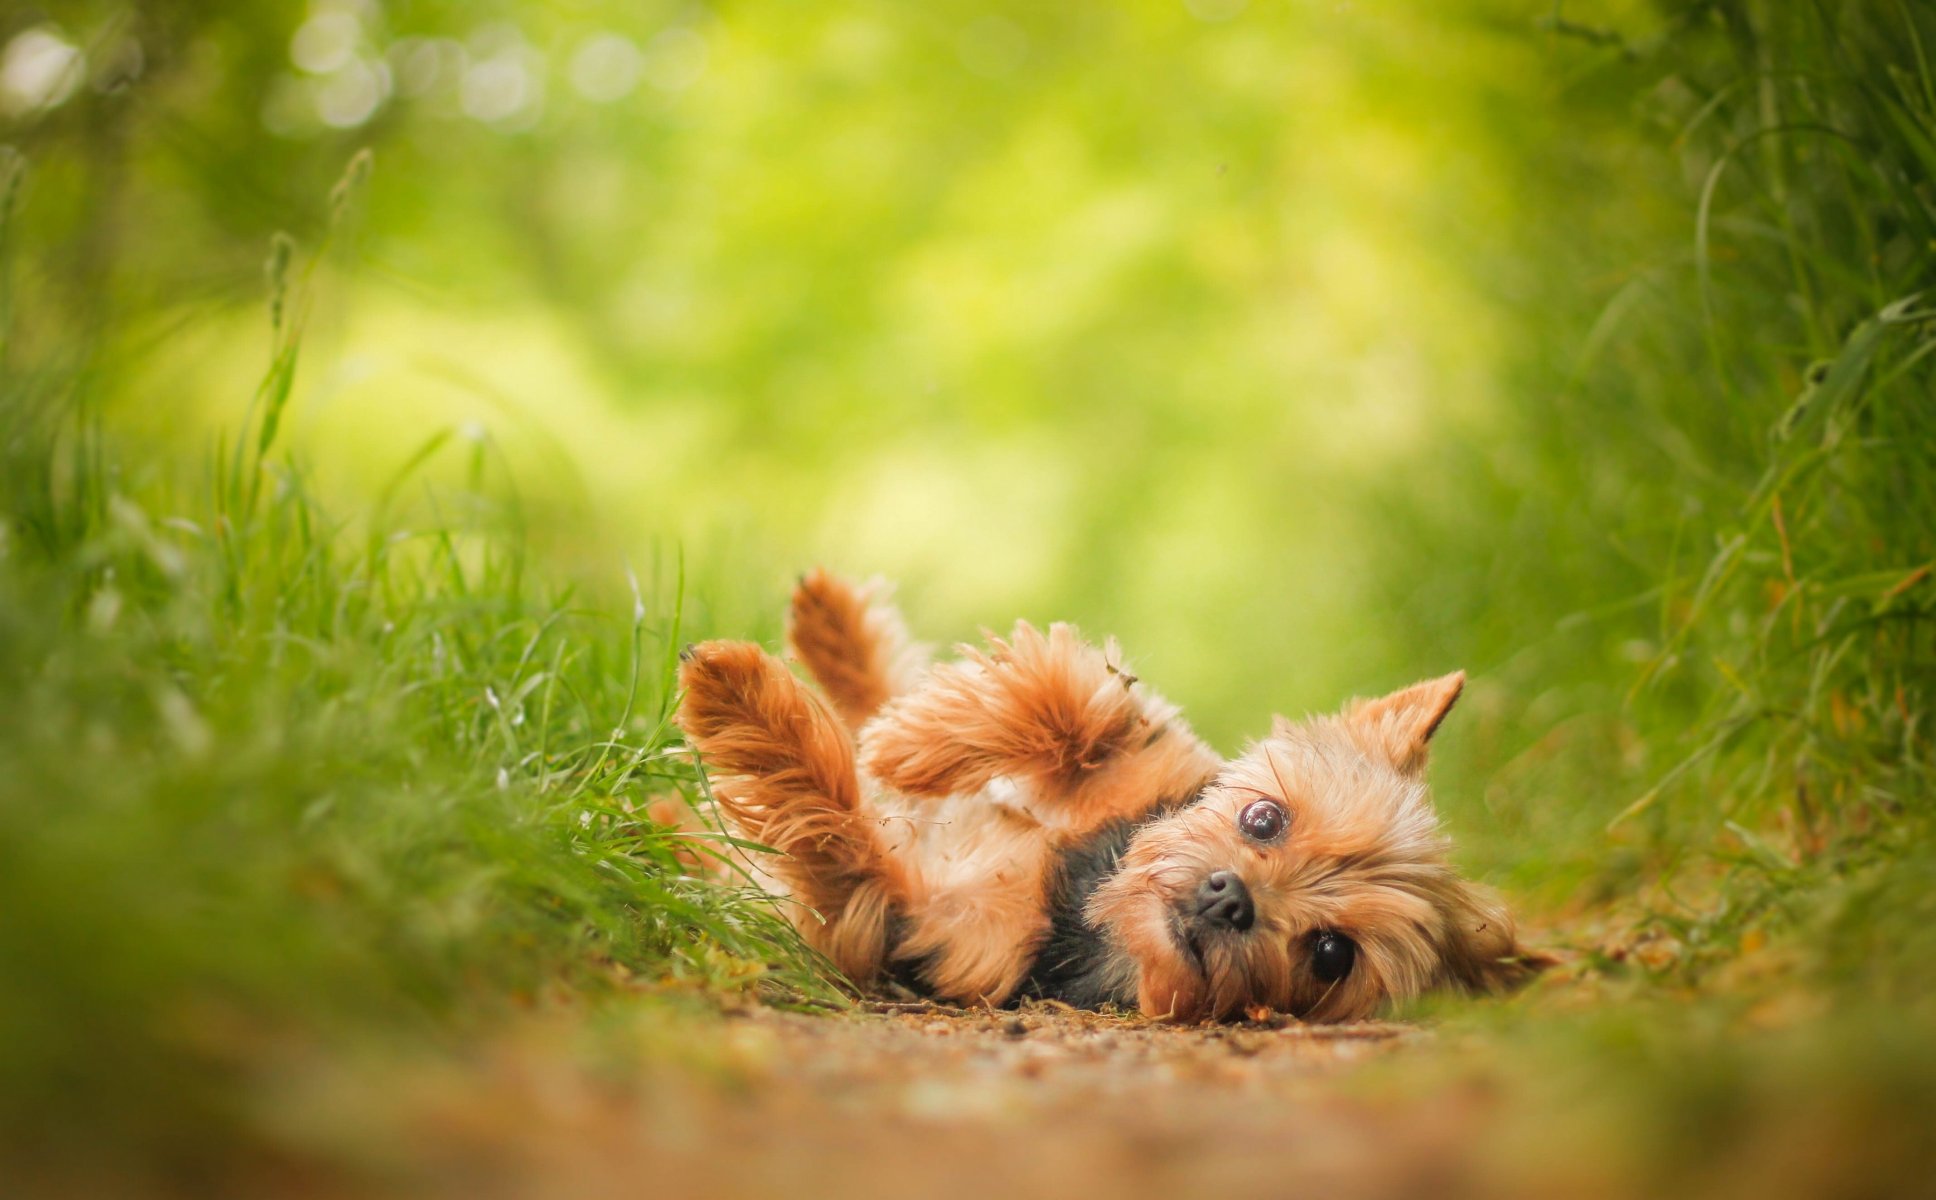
(1030, 821)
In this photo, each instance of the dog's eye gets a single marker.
(1332, 956)
(1263, 820)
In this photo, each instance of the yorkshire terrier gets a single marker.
(1031, 821)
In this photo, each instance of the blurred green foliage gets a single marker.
(1309, 348)
(1117, 315)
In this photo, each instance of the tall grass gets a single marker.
(274, 772)
(1811, 619)
(1708, 529)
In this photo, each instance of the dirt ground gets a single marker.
(913, 1100)
(675, 1098)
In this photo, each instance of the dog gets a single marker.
(1032, 821)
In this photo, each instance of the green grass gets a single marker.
(271, 773)
(1801, 611)
(1713, 517)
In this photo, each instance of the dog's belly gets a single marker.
(978, 867)
(999, 885)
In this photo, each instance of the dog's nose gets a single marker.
(1222, 899)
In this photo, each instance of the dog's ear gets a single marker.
(1399, 725)
(1479, 951)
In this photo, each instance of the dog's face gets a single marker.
(1308, 878)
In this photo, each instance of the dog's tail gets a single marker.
(782, 768)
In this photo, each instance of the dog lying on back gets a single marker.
(1031, 821)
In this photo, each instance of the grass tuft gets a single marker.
(274, 772)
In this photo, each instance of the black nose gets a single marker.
(1222, 899)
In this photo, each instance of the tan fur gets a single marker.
(1363, 857)
(1047, 708)
(1398, 726)
(981, 858)
(854, 642)
(676, 814)
(981, 862)
(938, 853)
(784, 775)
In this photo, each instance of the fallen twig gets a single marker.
(917, 1006)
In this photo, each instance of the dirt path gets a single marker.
(922, 1103)
(671, 1097)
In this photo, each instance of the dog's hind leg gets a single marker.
(1046, 709)
(854, 642)
(782, 768)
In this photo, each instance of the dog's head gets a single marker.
(1310, 878)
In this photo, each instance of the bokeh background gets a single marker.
(1143, 317)
(1213, 326)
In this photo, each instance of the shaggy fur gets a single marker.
(854, 642)
(1030, 820)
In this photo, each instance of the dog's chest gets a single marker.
(967, 844)
(1074, 962)
(982, 869)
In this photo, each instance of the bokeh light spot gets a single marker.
(504, 88)
(39, 70)
(325, 42)
(606, 67)
(350, 96)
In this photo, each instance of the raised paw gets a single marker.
(782, 770)
(731, 690)
(1048, 707)
(853, 641)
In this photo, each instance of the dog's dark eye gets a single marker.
(1332, 956)
(1263, 820)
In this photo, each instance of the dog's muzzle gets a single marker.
(1223, 902)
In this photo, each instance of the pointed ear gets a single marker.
(1399, 725)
